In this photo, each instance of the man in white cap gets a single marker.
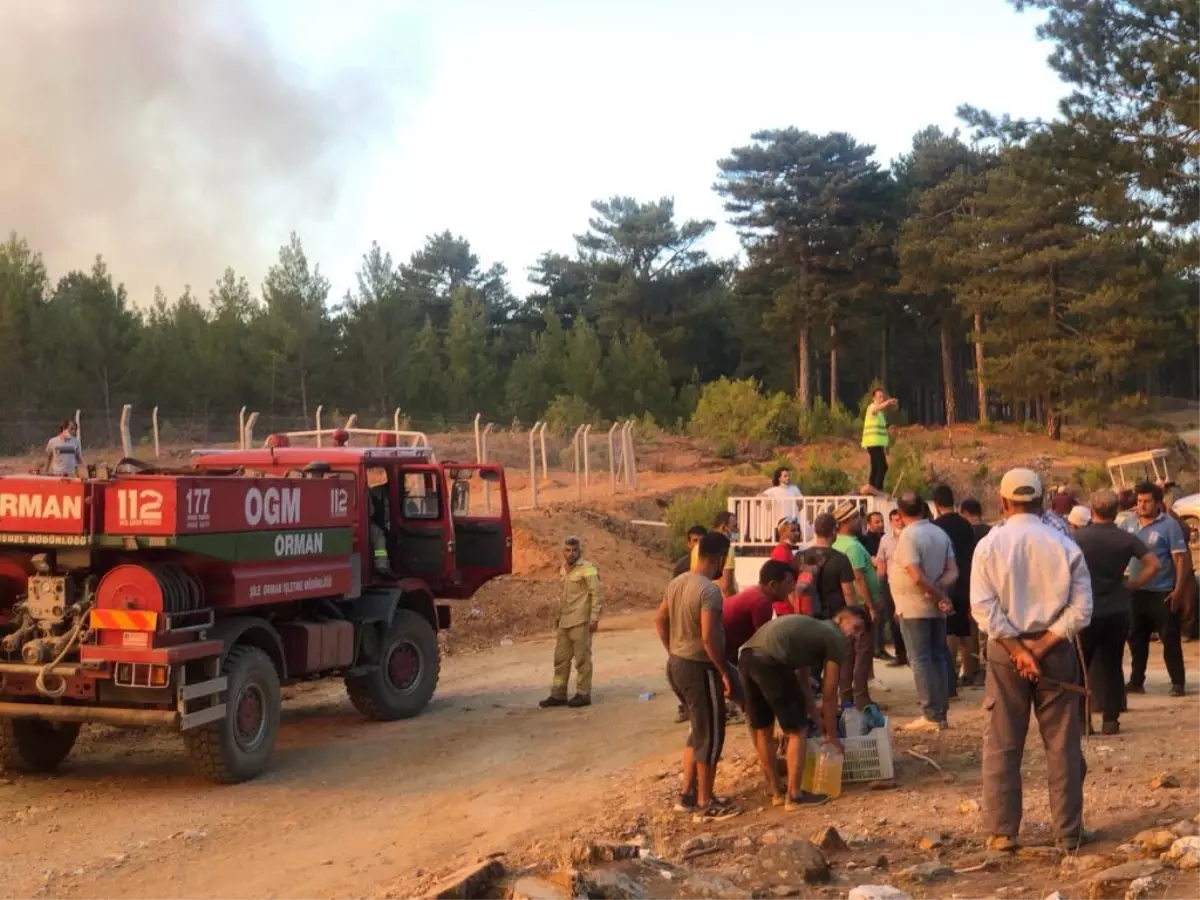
(1032, 594)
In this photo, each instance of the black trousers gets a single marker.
(1103, 646)
(878, 467)
(1150, 614)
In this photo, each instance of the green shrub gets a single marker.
(691, 509)
(727, 449)
(823, 421)
(820, 478)
(1092, 478)
(567, 412)
(737, 411)
(908, 470)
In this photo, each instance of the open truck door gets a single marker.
(482, 525)
(423, 545)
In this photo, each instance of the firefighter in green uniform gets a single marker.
(578, 619)
(377, 519)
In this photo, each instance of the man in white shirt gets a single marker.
(1032, 594)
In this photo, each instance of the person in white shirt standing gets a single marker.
(787, 499)
(63, 453)
(1032, 593)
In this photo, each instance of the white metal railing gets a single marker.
(757, 516)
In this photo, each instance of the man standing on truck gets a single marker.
(578, 619)
(63, 453)
(690, 624)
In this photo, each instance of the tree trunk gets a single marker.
(803, 386)
(1053, 423)
(980, 384)
(833, 366)
(948, 372)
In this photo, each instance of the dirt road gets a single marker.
(358, 809)
(348, 805)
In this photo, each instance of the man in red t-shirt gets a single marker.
(749, 610)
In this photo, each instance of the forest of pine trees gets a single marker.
(1019, 270)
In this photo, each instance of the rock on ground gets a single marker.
(1111, 884)
(1165, 780)
(877, 892)
(470, 881)
(531, 887)
(829, 840)
(929, 871)
(613, 885)
(1154, 840)
(801, 857)
(1185, 853)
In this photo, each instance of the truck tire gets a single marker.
(32, 745)
(406, 674)
(237, 747)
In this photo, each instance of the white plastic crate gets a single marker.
(868, 757)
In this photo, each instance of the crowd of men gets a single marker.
(1023, 608)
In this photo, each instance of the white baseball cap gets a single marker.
(1021, 485)
(1079, 516)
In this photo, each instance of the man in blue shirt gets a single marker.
(1158, 605)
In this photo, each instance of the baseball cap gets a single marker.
(1021, 485)
(1080, 516)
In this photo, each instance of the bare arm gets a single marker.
(662, 624)
(728, 585)
(829, 702)
(1147, 569)
(712, 636)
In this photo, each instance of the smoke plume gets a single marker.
(168, 135)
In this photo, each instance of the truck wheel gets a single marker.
(35, 746)
(237, 748)
(406, 674)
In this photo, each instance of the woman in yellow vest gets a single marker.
(875, 436)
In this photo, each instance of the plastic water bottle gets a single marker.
(810, 765)
(827, 773)
(851, 720)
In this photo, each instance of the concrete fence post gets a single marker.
(154, 426)
(242, 428)
(126, 437)
(487, 485)
(533, 474)
(578, 473)
(587, 460)
(318, 419)
(612, 456)
(249, 436)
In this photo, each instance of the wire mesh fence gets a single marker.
(596, 452)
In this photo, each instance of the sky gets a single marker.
(500, 121)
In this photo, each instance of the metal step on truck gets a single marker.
(757, 517)
(185, 597)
